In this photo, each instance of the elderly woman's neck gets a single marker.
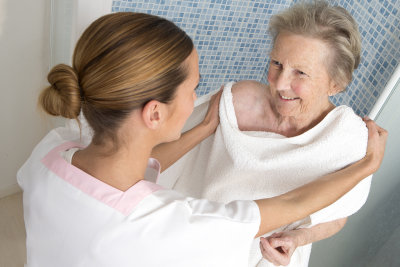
(255, 110)
(290, 126)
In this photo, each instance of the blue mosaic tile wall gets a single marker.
(230, 36)
(233, 43)
(379, 25)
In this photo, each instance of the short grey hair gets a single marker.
(331, 24)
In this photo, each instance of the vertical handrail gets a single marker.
(385, 95)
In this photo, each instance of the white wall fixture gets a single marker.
(386, 93)
(23, 68)
(61, 12)
(68, 21)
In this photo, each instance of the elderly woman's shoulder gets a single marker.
(250, 100)
(347, 113)
(349, 120)
(252, 87)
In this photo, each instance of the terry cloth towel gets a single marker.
(233, 164)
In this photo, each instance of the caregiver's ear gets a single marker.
(153, 114)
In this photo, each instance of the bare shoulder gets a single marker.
(246, 87)
(249, 93)
(250, 100)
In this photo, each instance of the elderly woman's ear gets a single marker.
(334, 88)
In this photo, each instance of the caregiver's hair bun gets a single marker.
(122, 61)
(63, 96)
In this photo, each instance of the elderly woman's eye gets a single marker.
(276, 63)
(301, 73)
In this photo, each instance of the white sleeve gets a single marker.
(231, 228)
(223, 232)
(244, 211)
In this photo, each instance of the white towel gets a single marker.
(232, 165)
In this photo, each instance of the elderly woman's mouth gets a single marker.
(287, 98)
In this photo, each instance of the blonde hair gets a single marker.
(331, 24)
(121, 61)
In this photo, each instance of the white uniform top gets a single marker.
(73, 219)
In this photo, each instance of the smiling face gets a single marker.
(299, 82)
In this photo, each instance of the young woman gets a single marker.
(133, 77)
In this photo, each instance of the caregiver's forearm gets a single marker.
(319, 232)
(168, 153)
(307, 199)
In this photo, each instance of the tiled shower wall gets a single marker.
(233, 43)
(379, 25)
(230, 36)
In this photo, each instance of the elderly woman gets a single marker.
(273, 138)
(316, 48)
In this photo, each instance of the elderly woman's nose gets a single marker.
(283, 80)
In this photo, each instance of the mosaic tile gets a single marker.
(233, 44)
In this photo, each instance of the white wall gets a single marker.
(24, 61)
(25, 57)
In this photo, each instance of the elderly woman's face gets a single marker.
(299, 81)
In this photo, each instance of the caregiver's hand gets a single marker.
(168, 153)
(376, 144)
(211, 119)
(279, 247)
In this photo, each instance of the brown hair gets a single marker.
(121, 61)
(331, 24)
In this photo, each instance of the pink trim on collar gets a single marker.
(121, 201)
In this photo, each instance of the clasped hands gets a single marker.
(279, 247)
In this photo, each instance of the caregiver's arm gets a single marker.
(307, 199)
(168, 153)
(279, 247)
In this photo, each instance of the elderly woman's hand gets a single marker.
(211, 119)
(279, 247)
(376, 144)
